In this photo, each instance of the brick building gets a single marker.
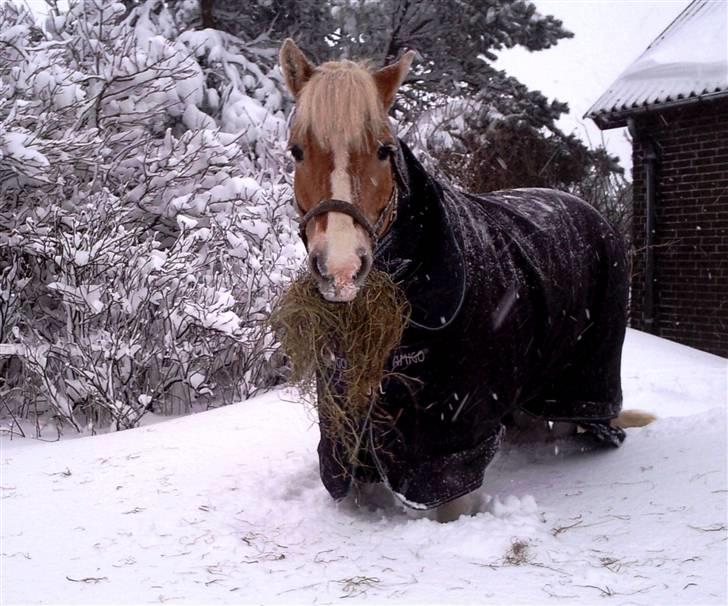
(674, 99)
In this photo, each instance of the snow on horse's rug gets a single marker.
(518, 302)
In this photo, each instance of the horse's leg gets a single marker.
(373, 495)
(524, 428)
(451, 511)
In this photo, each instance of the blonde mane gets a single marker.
(340, 104)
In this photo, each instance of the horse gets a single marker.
(518, 298)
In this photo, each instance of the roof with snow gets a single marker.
(685, 63)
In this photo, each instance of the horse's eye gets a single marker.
(384, 152)
(296, 152)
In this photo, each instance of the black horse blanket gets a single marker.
(518, 303)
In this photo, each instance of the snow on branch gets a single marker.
(145, 223)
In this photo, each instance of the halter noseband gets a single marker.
(347, 208)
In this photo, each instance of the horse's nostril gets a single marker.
(366, 265)
(317, 265)
(314, 263)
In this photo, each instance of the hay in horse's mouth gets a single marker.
(345, 345)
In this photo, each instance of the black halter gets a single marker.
(347, 208)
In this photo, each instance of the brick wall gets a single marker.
(691, 228)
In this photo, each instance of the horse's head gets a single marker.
(344, 184)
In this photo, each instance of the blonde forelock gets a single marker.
(340, 105)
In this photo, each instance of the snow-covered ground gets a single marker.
(226, 507)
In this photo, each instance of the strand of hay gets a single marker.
(338, 351)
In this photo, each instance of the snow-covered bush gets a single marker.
(144, 222)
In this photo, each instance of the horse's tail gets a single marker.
(633, 418)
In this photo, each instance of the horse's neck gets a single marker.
(417, 213)
(423, 253)
(423, 201)
(402, 168)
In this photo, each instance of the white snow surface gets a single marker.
(227, 507)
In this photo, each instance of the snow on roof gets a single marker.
(687, 62)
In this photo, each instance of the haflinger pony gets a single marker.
(518, 298)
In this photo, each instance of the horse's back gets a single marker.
(563, 240)
(552, 214)
(550, 274)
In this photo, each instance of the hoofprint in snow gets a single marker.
(226, 507)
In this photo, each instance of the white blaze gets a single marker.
(342, 238)
(340, 179)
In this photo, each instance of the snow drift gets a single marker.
(226, 507)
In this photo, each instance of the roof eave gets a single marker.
(617, 117)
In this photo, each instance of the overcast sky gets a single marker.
(608, 36)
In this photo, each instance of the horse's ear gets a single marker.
(295, 67)
(390, 78)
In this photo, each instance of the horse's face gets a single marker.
(339, 244)
(342, 145)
